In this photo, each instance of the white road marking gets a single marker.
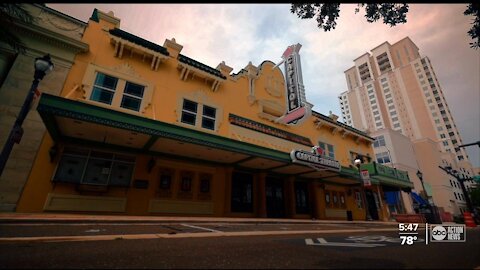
(323, 242)
(178, 235)
(201, 228)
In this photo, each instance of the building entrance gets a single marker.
(372, 204)
(275, 197)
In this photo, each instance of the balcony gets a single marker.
(387, 175)
(380, 175)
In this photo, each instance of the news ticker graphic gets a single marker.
(409, 233)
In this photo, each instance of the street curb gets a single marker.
(55, 218)
(179, 235)
(93, 221)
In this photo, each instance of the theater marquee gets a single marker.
(314, 160)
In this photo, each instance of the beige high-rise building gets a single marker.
(396, 88)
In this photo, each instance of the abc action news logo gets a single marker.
(447, 233)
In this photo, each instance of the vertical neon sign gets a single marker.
(298, 108)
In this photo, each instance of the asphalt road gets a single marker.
(365, 248)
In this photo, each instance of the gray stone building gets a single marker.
(51, 32)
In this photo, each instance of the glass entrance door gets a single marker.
(275, 197)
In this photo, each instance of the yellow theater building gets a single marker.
(141, 129)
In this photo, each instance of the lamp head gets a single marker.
(357, 162)
(43, 65)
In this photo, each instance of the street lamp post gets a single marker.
(43, 65)
(420, 176)
(435, 216)
(358, 162)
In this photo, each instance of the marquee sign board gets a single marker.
(314, 160)
(298, 108)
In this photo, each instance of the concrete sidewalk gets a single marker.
(59, 217)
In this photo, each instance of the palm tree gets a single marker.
(9, 14)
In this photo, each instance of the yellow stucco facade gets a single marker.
(226, 157)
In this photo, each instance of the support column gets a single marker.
(366, 204)
(261, 195)
(228, 191)
(383, 206)
(315, 198)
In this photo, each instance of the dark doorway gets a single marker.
(372, 205)
(275, 197)
(242, 192)
(301, 198)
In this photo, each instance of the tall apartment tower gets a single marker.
(394, 87)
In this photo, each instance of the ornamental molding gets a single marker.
(120, 44)
(126, 68)
(262, 128)
(274, 87)
(51, 37)
(60, 23)
(189, 72)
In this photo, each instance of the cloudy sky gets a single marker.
(239, 33)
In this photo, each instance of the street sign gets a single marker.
(366, 178)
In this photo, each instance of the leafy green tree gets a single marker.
(391, 14)
(474, 32)
(9, 14)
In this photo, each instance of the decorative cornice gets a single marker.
(197, 65)
(98, 15)
(60, 14)
(250, 124)
(52, 37)
(138, 40)
(61, 21)
(342, 125)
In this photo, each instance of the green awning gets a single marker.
(385, 175)
(51, 106)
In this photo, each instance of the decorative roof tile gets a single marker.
(328, 119)
(189, 61)
(138, 40)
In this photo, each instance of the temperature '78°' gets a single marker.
(408, 239)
